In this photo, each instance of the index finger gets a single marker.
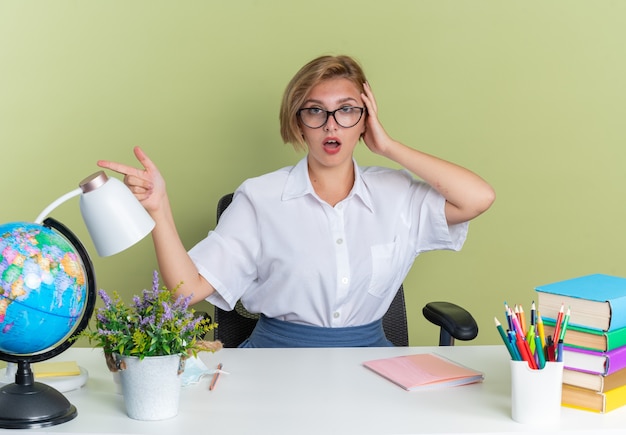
(120, 168)
(148, 166)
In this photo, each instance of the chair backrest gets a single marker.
(237, 325)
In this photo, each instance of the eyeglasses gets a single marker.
(346, 116)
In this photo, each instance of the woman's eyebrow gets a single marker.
(342, 100)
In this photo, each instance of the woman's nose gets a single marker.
(331, 123)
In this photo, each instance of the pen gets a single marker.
(516, 325)
(549, 349)
(559, 351)
(539, 352)
(216, 376)
(507, 313)
(513, 342)
(511, 318)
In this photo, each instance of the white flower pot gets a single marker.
(151, 386)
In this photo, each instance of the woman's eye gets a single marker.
(314, 110)
(347, 109)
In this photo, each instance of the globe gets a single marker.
(42, 288)
(47, 297)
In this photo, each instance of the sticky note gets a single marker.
(55, 368)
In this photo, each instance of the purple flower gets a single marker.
(167, 312)
(182, 302)
(105, 298)
(147, 321)
(156, 323)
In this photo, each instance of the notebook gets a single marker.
(48, 369)
(424, 371)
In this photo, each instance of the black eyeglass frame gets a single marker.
(332, 113)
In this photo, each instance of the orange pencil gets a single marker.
(522, 320)
(216, 376)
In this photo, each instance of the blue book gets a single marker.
(596, 301)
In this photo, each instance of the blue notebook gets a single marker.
(596, 301)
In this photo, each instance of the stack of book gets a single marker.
(594, 352)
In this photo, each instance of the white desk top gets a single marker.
(320, 391)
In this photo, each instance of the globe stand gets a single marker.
(27, 404)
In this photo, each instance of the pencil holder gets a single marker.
(536, 394)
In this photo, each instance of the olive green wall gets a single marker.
(531, 95)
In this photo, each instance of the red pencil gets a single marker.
(557, 326)
(524, 350)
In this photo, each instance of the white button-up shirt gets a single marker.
(289, 255)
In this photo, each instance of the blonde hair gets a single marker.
(311, 74)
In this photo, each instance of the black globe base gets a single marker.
(33, 406)
(27, 404)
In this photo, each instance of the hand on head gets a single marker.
(375, 136)
(147, 184)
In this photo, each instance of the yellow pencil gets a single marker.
(540, 330)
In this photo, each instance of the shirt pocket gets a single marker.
(383, 270)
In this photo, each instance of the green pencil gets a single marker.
(507, 343)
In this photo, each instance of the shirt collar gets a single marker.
(299, 184)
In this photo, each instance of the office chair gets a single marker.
(233, 327)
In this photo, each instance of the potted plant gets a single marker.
(148, 342)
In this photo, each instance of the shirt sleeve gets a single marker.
(431, 231)
(226, 258)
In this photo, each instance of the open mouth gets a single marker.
(332, 144)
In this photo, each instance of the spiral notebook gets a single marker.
(424, 371)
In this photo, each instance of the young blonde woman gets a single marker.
(319, 248)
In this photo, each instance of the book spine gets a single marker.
(614, 398)
(615, 339)
(614, 360)
(618, 313)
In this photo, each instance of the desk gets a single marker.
(320, 391)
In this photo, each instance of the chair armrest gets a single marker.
(454, 320)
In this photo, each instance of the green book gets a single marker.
(587, 338)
